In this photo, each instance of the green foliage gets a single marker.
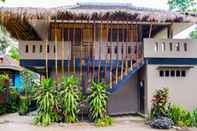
(12, 101)
(27, 82)
(70, 94)
(194, 117)
(159, 103)
(46, 96)
(2, 109)
(181, 5)
(179, 116)
(14, 53)
(97, 101)
(23, 105)
(106, 121)
(193, 34)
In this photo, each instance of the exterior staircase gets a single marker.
(125, 78)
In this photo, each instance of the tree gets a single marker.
(181, 5)
(4, 39)
(14, 53)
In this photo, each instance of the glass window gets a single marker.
(116, 50)
(129, 49)
(109, 50)
(178, 73)
(26, 48)
(185, 47)
(48, 49)
(183, 73)
(54, 49)
(34, 49)
(172, 73)
(161, 73)
(115, 35)
(167, 73)
(40, 48)
(171, 46)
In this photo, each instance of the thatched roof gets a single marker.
(98, 11)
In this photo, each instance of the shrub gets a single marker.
(179, 116)
(45, 95)
(159, 103)
(106, 121)
(70, 96)
(12, 101)
(194, 117)
(97, 101)
(23, 105)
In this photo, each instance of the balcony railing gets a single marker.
(95, 51)
(170, 48)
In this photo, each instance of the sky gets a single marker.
(159, 4)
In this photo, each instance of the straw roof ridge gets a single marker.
(96, 11)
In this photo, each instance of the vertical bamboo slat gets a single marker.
(111, 56)
(81, 67)
(73, 51)
(99, 66)
(56, 70)
(94, 37)
(63, 48)
(126, 64)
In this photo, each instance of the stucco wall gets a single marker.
(182, 89)
(125, 100)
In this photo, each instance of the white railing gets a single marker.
(37, 50)
(170, 48)
(116, 50)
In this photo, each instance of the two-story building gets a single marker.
(129, 48)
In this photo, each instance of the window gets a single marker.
(185, 47)
(109, 50)
(161, 73)
(156, 47)
(116, 50)
(163, 47)
(171, 46)
(167, 73)
(26, 48)
(54, 49)
(73, 34)
(115, 35)
(172, 73)
(40, 48)
(183, 73)
(129, 49)
(48, 49)
(178, 73)
(178, 46)
(34, 49)
(122, 50)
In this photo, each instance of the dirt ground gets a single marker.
(14, 122)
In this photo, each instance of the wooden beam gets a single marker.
(150, 31)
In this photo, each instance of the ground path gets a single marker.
(14, 122)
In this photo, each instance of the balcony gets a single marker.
(39, 50)
(170, 48)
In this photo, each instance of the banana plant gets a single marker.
(97, 101)
(46, 97)
(70, 94)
